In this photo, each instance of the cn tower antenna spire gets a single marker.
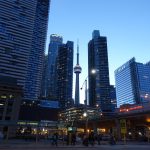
(77, 51)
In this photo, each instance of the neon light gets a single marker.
(131, 108)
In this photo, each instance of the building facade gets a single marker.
(74, 116)
(55, 42)
(37, 50)
(10, 101)
(99, 87)
(44, 77)
(23, 26)
(65, 75)
(132, 83)
(113, 97)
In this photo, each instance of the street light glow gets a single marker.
(97, 105)
(93, 71)
(84, 114)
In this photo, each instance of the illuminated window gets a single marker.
(4, 96)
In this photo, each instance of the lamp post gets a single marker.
(86, 122)
(85, 114)
(86, 90)
(93, 71)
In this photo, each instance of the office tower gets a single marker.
(113, 97)
(99, 87)
(65, 74)
(77, 71)
(132, 83)
(44, 77)
(23, 26)
(55, 42)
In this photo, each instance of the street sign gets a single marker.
(72, 128)
(123, 126)
(147, 133)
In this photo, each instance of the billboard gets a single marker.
(49, 104)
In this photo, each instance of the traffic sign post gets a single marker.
(148, 135)
(123, 129)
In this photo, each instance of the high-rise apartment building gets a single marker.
(99, 87)
(23, 26)
(44, 77)
(55, 42)
(132, 83)
(65, 74)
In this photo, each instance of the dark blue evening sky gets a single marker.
(126, 23)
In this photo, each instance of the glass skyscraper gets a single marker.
(99, 87)
(44, 77)
(23, 26)
(113, 97)
(55, 42)
(65, 75)
(132, 83)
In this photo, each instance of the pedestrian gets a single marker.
(85, 140)
(112, 140)
(1, 136)
(99, 138)
(55, 139)
(91, 138)
(67, 139)
(73, 139)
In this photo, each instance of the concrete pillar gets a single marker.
(118, 129)
(95, 127)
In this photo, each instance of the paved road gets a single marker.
(33, 146)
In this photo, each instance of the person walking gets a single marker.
(1, 136)
(73, 139)
(91, 138)
(85, 140)
(112, 140)
(99, 138)
(55, 139)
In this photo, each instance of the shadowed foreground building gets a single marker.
(36, 111)
(73, 117)
(10, 101)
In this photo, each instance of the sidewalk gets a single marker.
(15, 145)
(48, 143)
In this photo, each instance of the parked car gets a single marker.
(1, 136)
(105, 137)
(78, 140)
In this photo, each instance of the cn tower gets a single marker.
(77, 71)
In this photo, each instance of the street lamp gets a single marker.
(85, 114)
(99, 110)
(93, 71)
(86, 122)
